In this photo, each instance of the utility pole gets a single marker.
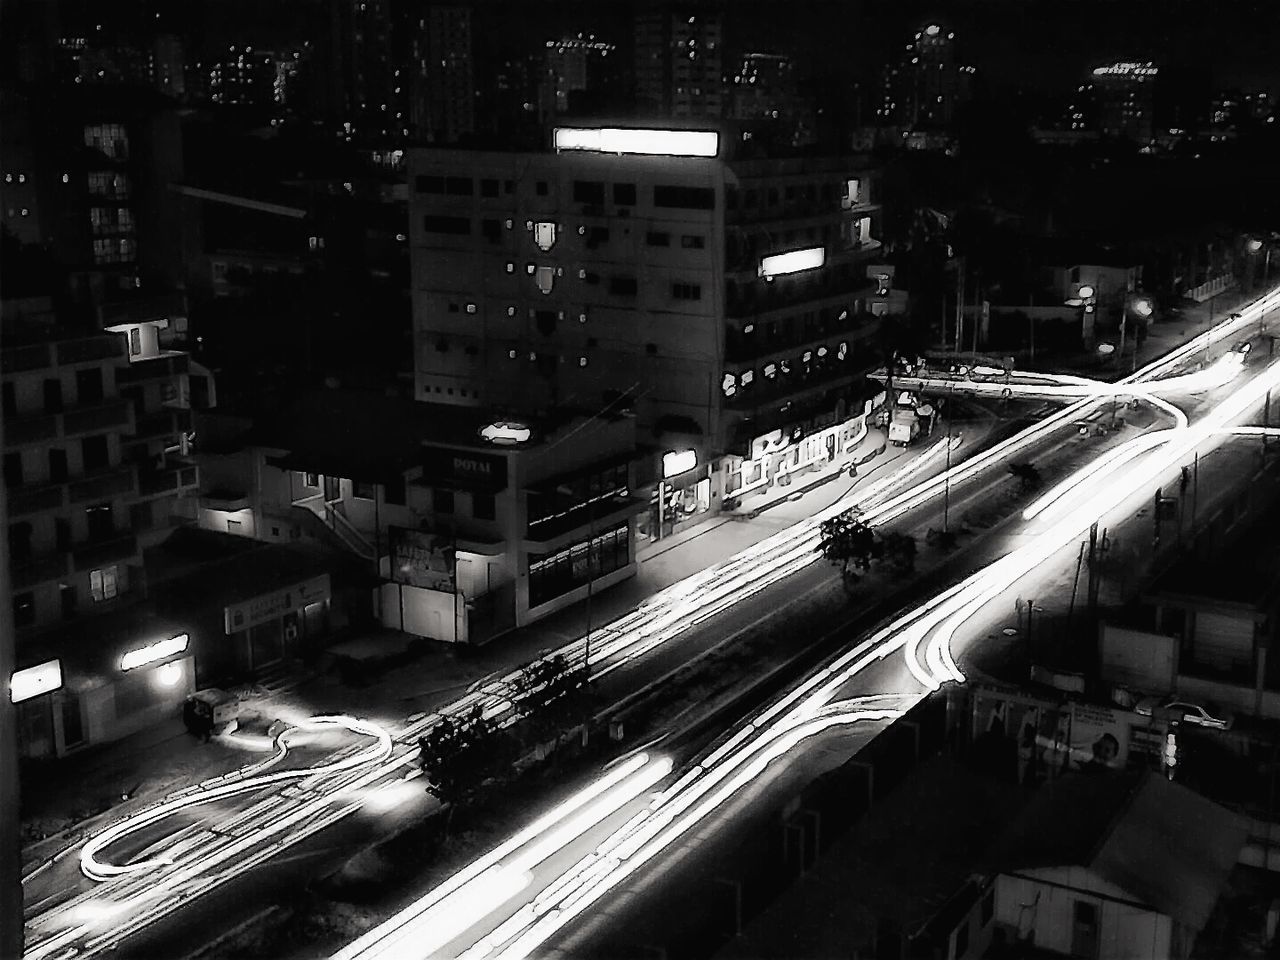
(1093, 573)
(946, 480)
(960, 276)
(11, 918)
(1075, 586)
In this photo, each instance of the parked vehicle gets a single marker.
(1185, 711)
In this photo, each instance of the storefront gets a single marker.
(779, 455)
(683, 497)
(266, 629)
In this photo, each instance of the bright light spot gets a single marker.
(792, 262)
(392, 796)
(1255, 245)
(33, 681)
(932, 30)
(1142, 307)
(649, 142)
(155, 651)
(169, 674)
(1086, 291)
(506, 433)
(675, 462)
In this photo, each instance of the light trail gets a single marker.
(310, 805)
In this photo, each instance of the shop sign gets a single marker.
(269, 606)
(42, 678)
(676, 462)
(422, 559)
(464, 469)
(155, 651)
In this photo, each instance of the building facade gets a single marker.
(679, 62)
(1125, 95)
(727, 303)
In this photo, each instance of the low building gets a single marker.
(472, 525)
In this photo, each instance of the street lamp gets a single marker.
(1141, 308)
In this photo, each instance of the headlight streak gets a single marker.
(418, 724)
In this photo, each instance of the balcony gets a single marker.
(164, 423)
(37, 356)
(171, 479)
(28, 500)
(756, 298)
(91, 348)
(169, 364)
(39, 570)
(95, 417)
(106, 551)
(19, 430)
(797, 386)
(118, 482)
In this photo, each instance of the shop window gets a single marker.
(482, 506)
(442, 500)
(24, 609)
(102, 584)
(363, 490)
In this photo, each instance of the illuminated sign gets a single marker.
(647, 142)
(505, 432)
(155, 651)
(1086, 291)
(269, 606)
(675, 463)
(792, 262)
(33, 681)
(1127, 68)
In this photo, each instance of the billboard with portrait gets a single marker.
(422, 559)
(1099, 737)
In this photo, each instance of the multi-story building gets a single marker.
(450, 77)
(95, 440)
(679, 62)
(1125, 95)
(925, 87)
(725, 301)
(764, 90)
(578, 69)
(244, 76)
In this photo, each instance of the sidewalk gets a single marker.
(79, 793)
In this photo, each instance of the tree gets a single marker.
(459, 756)
(1027, 475)
(553, 694)
(900, 552)
(848, 540)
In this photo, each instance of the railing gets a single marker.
(353, 538)
(164, 423)
(167, 479)
(30, 429)
(95, 555)
(36, 356)
(34, 428)
(90, 348)
(1212, 288)
(35, 500)
(153, 368)
(121, 480)
(112, 413)
(32, 572)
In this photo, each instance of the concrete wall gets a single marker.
(1137, 659)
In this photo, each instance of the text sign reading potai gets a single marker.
(464, 469)
(268, 606)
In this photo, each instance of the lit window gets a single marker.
(545, 279)
(511, 267)
(511, 311)
(471, 308)
(770, 370)
(729, 385)
(530, 268)
(544, 235)
(582, 318)
(582, 361)
(511, 354)
(102, 584)
(747, 377)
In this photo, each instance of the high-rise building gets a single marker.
(726, 301)
(678, 62)
(576, 68)
(450, 73)
(357, 70)
(243, 76)
(1125, 93)
(924, 88)
(764, 89)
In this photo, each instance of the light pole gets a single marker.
(591, 539)
(1142, 309)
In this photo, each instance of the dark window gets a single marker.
(89, 385)
(393, 491)
(442, 500)
(597, 236)
(624, 194)
(24, 609)
(988, 905)
(101, 526)
(731, 198)
(687, 198)
(429, 184)
(62, 534)
(588, 191)
(545, 320)
(488, 188)
(482, 506)
(57, 465)
(460, 186)
(94, 451)
(13, 469)
(363, 489)
(53, 396)
(656, 238)
(508, 186)
(10, 399)
(140, 516)
(693, 241)
(540, 188)
(771, 198)
(623, 286)
(67, 594)
(311, 479)
(591, 278)
(752, 199)
(686, 291)
(491, 230)
(20, 543)
(791, 193)
(437, 224)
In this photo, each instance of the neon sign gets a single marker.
(155, 651)
(792, 262)
(646, 142)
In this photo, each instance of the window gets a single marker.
(101, 525)
(141, 516)
(13, 469)
(20, 543)
(551, 575)
(52, 396)
(989, 905)
(686, 291)
(24, 609)
(540, 188)
(67, 596)
(544, 235)
(10, 398)
(488, 188)
(363, 490)
(460, 186)
(454, 225)
(393, 491)
(429, 184)
(545, 278)
(491, 230)
(442, 500)
(89, 385)
(623, 286)
(57, 465)
(135, 342)
(655, 238)
(102, 584)
(693, 241)
(588, 191)
(62, 534)
(109, 185)
(482, 506)
(108, 138)
(311, 479)
(624, 194)
(95, 453)
(686, 198)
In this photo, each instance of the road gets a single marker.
(242, 830)
(521, 897)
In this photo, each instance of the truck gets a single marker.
(904, 427)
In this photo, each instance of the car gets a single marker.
(1184, 711)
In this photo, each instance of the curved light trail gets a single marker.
(284, 818)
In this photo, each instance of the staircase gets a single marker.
(327, 525)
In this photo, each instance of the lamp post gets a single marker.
(591, 538)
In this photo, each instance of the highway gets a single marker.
(518, 899)
(187, 856)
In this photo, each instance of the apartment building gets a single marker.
(96, 434)
(725, 301)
